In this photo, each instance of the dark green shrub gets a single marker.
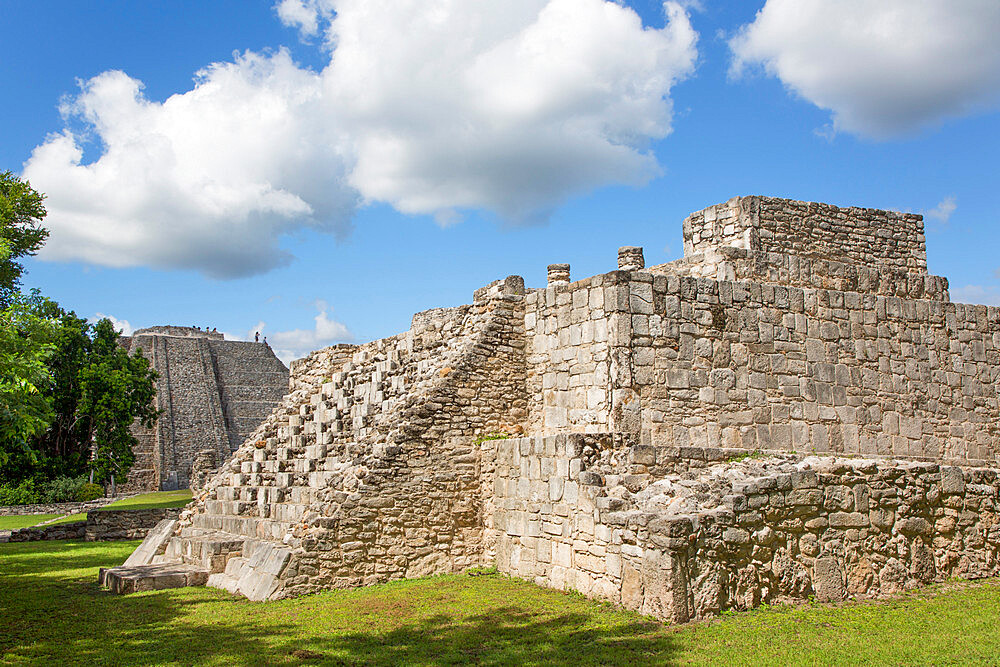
(22, 494)
(89, 491)
(61, 489)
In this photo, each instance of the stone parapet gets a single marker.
(810, 230)
(106, 525)
(61, 531)
(57, 508)
(100, 526)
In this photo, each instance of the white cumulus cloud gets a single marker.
(433, 107)
(296, 343)
(305, 15)
(208, 180)
(121, 326)
(882, 67)
(512, 107)
(943, 211)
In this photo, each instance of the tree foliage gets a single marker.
(69, 393)
(21, 213)
(116, 389)
(27, 340)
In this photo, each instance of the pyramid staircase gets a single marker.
(348, 406)
(241, 541)
(241, 537)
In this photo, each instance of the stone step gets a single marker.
(154, 545)
(252, 494)
(256, 574)
(124, 579)
(287, 512)
(235, 507)
(246, 527)
(209, 550)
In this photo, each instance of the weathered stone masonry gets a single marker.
(809, 334)
(213, 393)
(605, 518)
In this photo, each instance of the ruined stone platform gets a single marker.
(241, 565)
(794, 409)
(123, 579)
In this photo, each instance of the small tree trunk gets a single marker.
(114, 491)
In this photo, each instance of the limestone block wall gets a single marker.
(547, 518)
(700, 362)
(769, 367)
(810, 230)
(836, 528)
(570, 354)
(736, 264)
(569, 515)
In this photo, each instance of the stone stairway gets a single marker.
(241, 540)
(240, 565)
(347, 414)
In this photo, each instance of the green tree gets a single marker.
(116, 389)
(65, 446)
(69, 393)
(21, 213)
(27, 340)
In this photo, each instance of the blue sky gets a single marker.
(349, 163)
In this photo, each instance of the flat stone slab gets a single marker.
(153, 545)
(123, 580)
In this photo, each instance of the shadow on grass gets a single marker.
(44, 559)
(55, 613)
(507, 636)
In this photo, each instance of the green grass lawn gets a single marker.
(53, 612)
(152, 500)
(70, 518)
(144, 501)
(23, 521)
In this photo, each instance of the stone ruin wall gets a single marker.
(768, 367)
(584, 512)
(700, 362)
(810, 230)
(212, 392)
(635, 390)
